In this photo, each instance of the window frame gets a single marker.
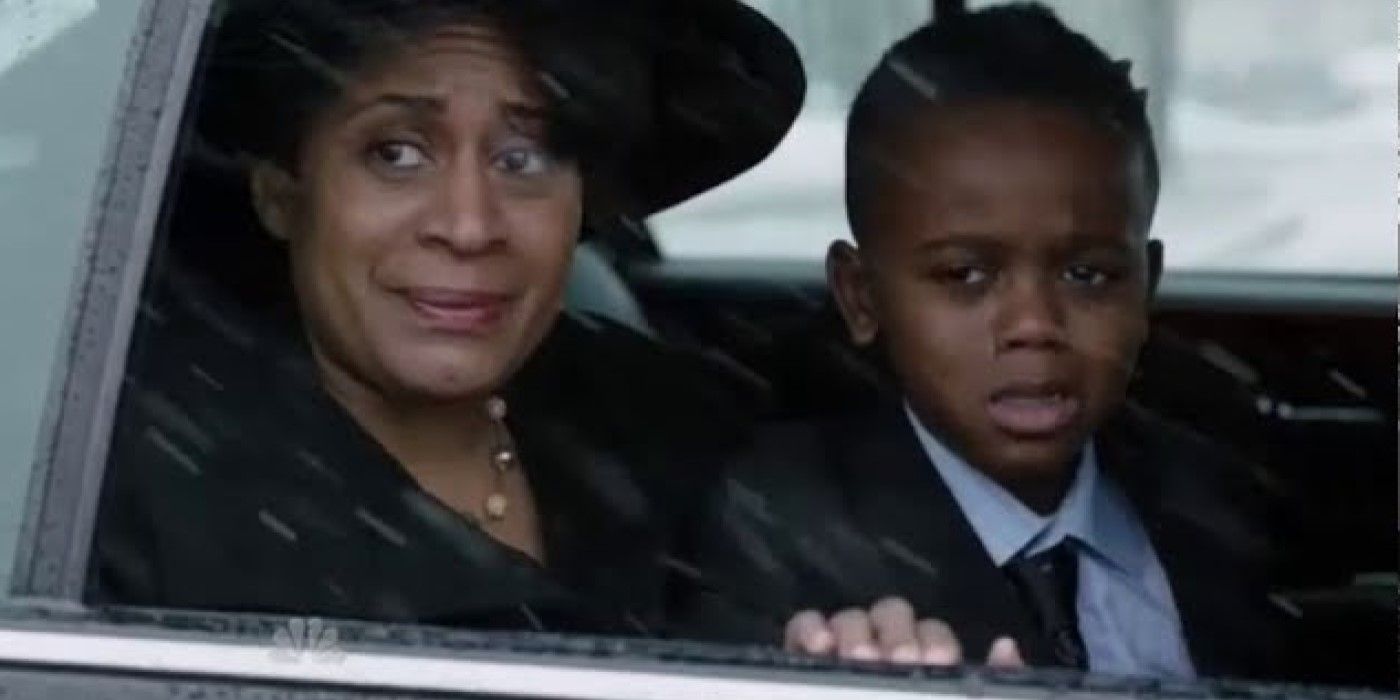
(463, 664)
(51, 556)
(197, 654)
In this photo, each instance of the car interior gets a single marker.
(1293, 374)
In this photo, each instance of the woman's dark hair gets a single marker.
(1019, 51)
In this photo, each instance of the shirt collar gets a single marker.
(1094, 512)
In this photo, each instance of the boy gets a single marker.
(1001, 180)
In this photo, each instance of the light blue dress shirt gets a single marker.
(1127, 615)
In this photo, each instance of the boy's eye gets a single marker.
(523, 161)
(966, 274)
(398, 156)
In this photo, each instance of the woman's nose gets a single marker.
(1030, 315)
(466, 211)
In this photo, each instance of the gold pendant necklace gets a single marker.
(497, 505)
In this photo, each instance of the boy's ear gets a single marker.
(274, 198)
(1155, 253)
(849, 281)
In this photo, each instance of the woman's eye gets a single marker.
(1087, 275)
(523, 161)
(399, 156)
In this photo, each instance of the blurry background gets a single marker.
(1276, 120)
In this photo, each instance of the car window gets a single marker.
(1276, 136)
(52, 144)
(297, 454)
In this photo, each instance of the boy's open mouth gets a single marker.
(1033, 411)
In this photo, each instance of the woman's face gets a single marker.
(430, 228)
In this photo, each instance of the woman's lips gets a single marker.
(1033, 412)
(458, 311)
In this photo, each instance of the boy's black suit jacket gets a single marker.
(842, 512)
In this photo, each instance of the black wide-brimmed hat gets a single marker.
(676, 96)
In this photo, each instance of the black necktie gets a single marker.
(1049, 583)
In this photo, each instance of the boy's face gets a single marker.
(1005, 270)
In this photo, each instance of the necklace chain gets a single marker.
(503, 460)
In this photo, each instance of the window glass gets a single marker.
(352, 395)
(791, 205)
(1277, 136)
(61, 65)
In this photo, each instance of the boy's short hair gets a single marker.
(1020, 51)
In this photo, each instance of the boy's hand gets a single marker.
(887, 632)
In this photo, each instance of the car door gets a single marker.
(92, 104)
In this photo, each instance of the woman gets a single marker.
(409, 431)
